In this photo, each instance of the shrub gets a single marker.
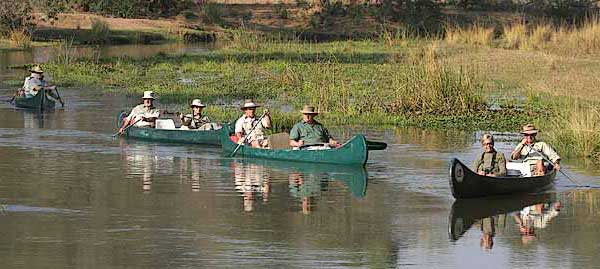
(20, 39)
(420, 16)
(212, 13)
(100, 32)
(15, 15)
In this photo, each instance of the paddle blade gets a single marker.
(373, 145)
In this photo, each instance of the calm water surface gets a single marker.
(72, 196)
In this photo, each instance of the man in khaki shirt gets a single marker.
(536, 150)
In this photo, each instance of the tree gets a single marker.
(15, 15)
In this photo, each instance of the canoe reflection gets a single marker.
(253, 179)
(147, 161)
(489, 215)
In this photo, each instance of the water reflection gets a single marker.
(490, 215)
(252, 181)
(305, 182)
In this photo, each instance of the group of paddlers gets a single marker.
(34, 84)
(249, 129)
(537, 154)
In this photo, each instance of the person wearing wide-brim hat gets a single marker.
(35, 82)
(535, 151)
(142, 115)
(491, 163)
(309, 132)
(245, 124)
(195, 119)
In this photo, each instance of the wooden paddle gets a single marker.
(248, 134)
(126, 128)
(62, 104)
(548, 160)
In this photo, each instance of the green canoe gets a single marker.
(40, 101)
(210, 137)
(353, 152)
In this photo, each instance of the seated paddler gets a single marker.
(309, 133)
(196, 120)
(539, 154)
(250, 129)
(143, 115)
(491, 162)
(36, 82)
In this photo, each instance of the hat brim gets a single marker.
(246, 107)
(309, 112)
(530, 132)
(151, 98)
(37, 72)
(197, 106)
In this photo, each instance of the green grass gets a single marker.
(358, 82)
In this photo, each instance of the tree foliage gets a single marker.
(133, 8)
(15, 15)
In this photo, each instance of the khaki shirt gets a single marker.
(485, 162)
(527, 152)
(30, 83)
(195, 121)
(140, 111)
(244, 125)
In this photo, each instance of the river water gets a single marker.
(71, 196)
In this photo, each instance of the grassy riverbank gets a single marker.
(390, 80)
(353, 82)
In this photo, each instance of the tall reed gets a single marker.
(576, 131)
(477, 35)
(20, 39)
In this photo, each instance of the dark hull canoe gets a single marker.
(40, 101)
(465, 213)
(210, 137)
(465, 183)
(353, 152)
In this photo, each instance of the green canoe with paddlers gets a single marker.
(39, 101)
(354, 152)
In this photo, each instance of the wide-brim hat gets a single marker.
(37, 69)
(309, 110)
(249, 103)
(149, 95)
(197, 102)
(487, 138)
(529, 129)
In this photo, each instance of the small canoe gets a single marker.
(210, 137)
(465, 183)
(353, 152)
(465, 213)
(40, 101)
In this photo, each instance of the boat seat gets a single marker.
(522, 169)
(167, 124)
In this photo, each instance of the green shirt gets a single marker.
(497, 166)
(313, 133)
